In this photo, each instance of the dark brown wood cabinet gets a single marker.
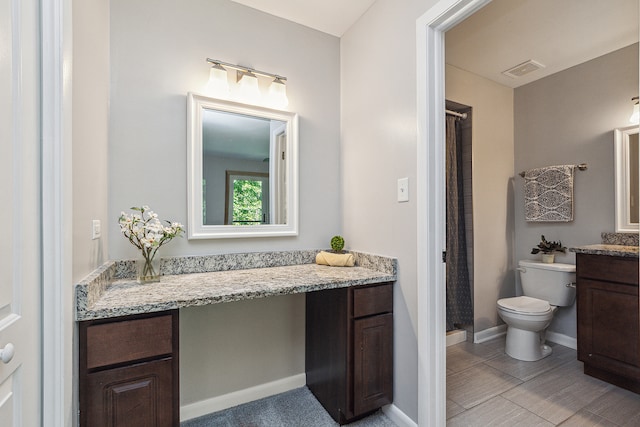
(609, 318)
(129, 371)
(349, 349)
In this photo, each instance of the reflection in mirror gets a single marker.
(633, 177)
(245, 159)
(236, 165)
(626, 167)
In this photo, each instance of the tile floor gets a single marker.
(485, 387)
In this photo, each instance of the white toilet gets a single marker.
(545, 287)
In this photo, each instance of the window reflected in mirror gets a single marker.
(247, 198)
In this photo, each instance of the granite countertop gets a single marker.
(103, 295)
(609, 250)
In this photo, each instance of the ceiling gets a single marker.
(329, 16)
(556, 33)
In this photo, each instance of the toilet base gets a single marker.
(524, 345)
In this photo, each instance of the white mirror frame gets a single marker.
(196, 229)
(622, 159)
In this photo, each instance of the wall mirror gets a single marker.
(242, 170)
(626, 169)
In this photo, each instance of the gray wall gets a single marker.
(568, 118)
(158, 52)
(378, 137)
(90, 144)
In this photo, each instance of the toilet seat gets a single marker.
(525, 305)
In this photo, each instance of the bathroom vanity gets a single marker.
(129, 371)
(129, 344)
(349, 349)
(608, 313)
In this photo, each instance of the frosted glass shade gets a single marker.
(635, 116)
(278, 94)
(218, 85)
(248, 88)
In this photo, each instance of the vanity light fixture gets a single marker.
(218, 85)
(635, 116)
(247, 79)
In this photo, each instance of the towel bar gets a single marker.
(581, 166)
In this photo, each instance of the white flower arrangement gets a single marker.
(146, 232)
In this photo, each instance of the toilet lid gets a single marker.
(525, 304)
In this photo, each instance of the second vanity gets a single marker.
(129, 344)
(608, 313)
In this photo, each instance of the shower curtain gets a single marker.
(459, 300)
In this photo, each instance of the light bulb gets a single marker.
(278, 93)
(635, 116)
(218, 85)
(248, 88)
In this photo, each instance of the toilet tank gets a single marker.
(548, 281)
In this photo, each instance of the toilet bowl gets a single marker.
(545, 287)
(526, 318)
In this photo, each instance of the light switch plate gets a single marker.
(403, 190)
(96, 231)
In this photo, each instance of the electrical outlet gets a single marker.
(403, 190)
(96, 231)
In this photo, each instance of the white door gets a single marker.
(20, 218)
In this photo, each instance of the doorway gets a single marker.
(430, 29)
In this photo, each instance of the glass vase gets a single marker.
(148, 270)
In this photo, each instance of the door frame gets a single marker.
(431, 203)
(58, 325)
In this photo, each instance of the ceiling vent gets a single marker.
(522, 69)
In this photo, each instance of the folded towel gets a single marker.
(548, 194)
(335, 260)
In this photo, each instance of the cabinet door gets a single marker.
(133, 396)
(609, 326)
(372, 363)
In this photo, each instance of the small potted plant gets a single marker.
(547, 249)
(337, 256)
(337, 244)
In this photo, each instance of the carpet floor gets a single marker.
(294, 408)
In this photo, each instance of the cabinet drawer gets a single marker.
(612, 269)
(373, 300)
(129, 340)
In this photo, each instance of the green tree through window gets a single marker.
(247, 202)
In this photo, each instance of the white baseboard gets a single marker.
(562, 339)
(215, 404)
(496, 331)
(489, 334)
(398, 417)
(456, 337)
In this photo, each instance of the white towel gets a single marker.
(335, 260)
(548, 194)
